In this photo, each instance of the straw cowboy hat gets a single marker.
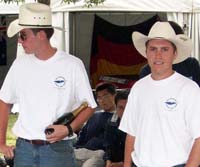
(163, 30)
(31, 15)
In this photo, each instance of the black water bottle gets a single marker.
(67, 118)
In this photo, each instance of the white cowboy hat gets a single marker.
(31, 15)
(163, 30)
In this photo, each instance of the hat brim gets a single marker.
(14, 28)
(182, 43)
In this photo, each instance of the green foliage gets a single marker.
(12, 1)
(88, 3)
(10, 138)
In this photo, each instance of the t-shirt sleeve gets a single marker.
(129, 121)
(192, 110)
(8, 90)
(82, 86)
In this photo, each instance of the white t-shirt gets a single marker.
(164, 117)
(45, 90)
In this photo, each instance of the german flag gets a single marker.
(113, 53)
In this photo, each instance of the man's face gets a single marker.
(106, 100)
(160, 56)
(121, 104)
(30, 42)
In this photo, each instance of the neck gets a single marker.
(160, 77)
(113, 108)
(45, 52)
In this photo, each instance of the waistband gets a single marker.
(35, 142)
(180, 165)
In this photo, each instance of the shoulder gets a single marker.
(68, 57)
(23, 60)
(142, 82)
(186, 82)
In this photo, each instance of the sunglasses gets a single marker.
(22, 36)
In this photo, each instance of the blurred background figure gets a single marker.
(90, 144)
(115, 138)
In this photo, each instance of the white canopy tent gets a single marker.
(184, 12)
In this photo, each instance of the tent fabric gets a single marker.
(131, 5)
(185, 12)
(113, 52)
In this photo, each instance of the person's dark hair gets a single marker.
(48, 31)
(106, 86)
(122, 95)
(177, 28)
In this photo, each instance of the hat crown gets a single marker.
(162, 30)
(36, 14)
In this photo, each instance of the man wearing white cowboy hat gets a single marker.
(162, 123)
(46, 83)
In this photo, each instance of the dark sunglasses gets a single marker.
(23, 37)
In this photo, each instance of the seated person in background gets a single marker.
(115, 138)
(189, 67)
(89, 147)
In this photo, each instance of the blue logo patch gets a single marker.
(171, 103)
(60, 81)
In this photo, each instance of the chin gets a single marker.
(28, 52)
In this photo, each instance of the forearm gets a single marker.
(108, 163)
(194, 158)
(4, 114)
(82, 118)
(129, 144)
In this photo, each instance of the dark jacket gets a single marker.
(114, 142)
(91, 135)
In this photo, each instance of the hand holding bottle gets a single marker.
(67, 118)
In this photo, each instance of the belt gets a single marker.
(181, 165)
(35, 142)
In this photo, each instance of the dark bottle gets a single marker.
(67, 118)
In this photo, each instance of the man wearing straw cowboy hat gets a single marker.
(46, 83)
(161, 121)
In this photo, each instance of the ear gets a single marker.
(41, 35)
(175, 55)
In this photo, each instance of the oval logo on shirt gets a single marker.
(60, 81)
(170, 103)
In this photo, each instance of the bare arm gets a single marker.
(128, 150)
(194, 158)
(82, 118)
(4, 115)
(108, 163)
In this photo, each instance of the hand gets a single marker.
(60, 132)
(8, 151)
